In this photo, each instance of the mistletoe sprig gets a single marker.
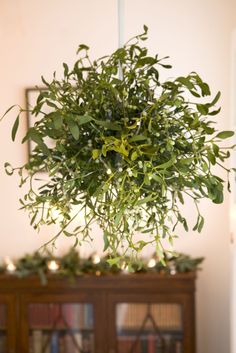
(125, 148)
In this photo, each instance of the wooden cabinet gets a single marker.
(128, 313)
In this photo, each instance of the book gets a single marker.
(88, 316)
(69, 344)
(78, 340)
(128, 344)
(38, 316)
(54, 342)
(62, 344)
(151, 344)
(159, 346)
(144, 345)
(37, 341)
(46, 343)
(178, 347)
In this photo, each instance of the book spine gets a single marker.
(54, 343)
(178, 347)
(37, 341)
(46, 343)
(78, 340)
(151, 344)
(144, 345)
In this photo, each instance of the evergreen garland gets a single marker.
(72, 265)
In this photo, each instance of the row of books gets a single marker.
(167, 316)
(150, 344)
(61, 316)
(2, 316)
(43, 342)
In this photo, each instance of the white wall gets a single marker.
(36, 36)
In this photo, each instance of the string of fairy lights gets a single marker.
(72, 265)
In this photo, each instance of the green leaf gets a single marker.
(105, 240)
(186, 82)
(8, 110)
(202, 108)
(35, 136)
(187, 161)
(15, 128)
(225, 134)
(216, 149)
(147, 61)
(51, 104)
(114, 261)
(201, 224)
(74, 129)
(96, 153)
(195, 94)
(211, 157)
(215, 100)
(68, 234)
(134, 156)
(146, 200)
(109, 125)
(8, 168)
(57, 121)
(157, 178)
(118, 217)
(138, 138)
(82, 47)
(185, 224)
(180, 196)
(166, 164)
(214, 112)
(83, 119)
(66, 69)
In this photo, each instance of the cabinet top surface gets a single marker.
(147, 280)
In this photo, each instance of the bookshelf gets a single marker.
(149, 328)
(61, 327)
(125, 313)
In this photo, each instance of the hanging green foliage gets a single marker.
(124, 148)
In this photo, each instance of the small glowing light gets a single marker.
(10, 266)
(109, 171)
(123, 265)
(151, 263)
(96, 259)
(53, 265)
(172, 268)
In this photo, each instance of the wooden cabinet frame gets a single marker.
(104, 292)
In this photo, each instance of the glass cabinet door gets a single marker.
(61, 327)
(149, 328)
(3, 328)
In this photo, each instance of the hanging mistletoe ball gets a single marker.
(126, 148)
